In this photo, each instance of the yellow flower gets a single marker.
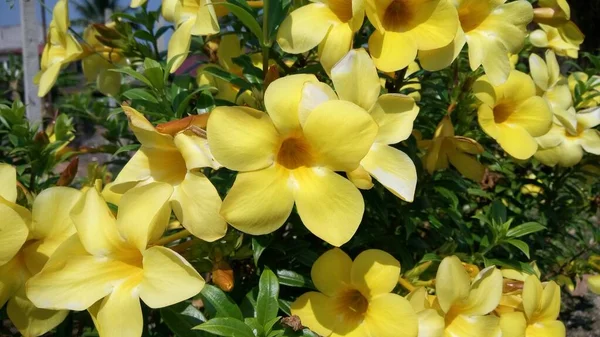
(594, 284)
(445, 148)
(354, 297)
(431, 321)
(99, 60)
(393, 113)
(540, 308)
(60, 49)
(175, 157)
(192, 17)
(289, 156)
(330, 24)
(413, 24)
(492, 29)
(512, 114)
(27, 240)
(550, 37)
(113, 261)
(557, 14)
(590, 98)
(466, 304)
(566, 142)
(550, 83)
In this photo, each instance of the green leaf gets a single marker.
(127, 148)
(522, 246)
(141, 94)
(226, 326)
(277, 13)
(247, 19)
(524, 229)
(259, 244)
(292, 279)
(229, 77)
(218, 302)
(144, 35)
(181, 322)
(498, 212)
(134, 74)
(266, 302)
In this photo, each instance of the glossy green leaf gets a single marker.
(227, 327)
(219, 303)
(268, 293)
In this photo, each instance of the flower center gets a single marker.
(295, 152)
(472, 13)
(351, 305)
(502, 112)
(341, 8)
(404, 15)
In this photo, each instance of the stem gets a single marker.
(174, 237)
(406, 284)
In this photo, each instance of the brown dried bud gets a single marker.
(272, 75)
(193, 122)
(293, 322)
(69, 173)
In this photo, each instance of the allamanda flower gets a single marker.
(27, 240)
(393, 113)
(445, 148)
(557, 14)
(492, 29)
(465, 303)
(355, 298)
(112, 261)
(566, 142)
(289, 156)
(60, 49)
(512, 114)
(99, 60)
(191, 17)
(404, 27)
(431, 321)
(550, 37)
(536, 315)
(551, 85)
(330, 24)
(174, 154)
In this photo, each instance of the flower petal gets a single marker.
(8, 177)
(513, 324)
(360, 178)
(305, 28)
(438, 59)
(313, 95)
(452, 283)
(179, 44)
(48, 78)
(431, 324)
(546, 329)
(316, 312)
(331, 271)
(29, 320)
(73, 280)
(120, 313)
(485, 293)
(357, 64)
(532, 296)
(13, 233)
(50, 212)
(394, 114)
(534, 115)
(341, 132)
(590, 141)
(335, 45)
(196, 203)
(393, 169)
(12, 277)
(550, 302)
(467, 165)
(206, 19)
(391, 315)
(375, 272)
(282, 100)
(195, 151)
(242, 139)
(145, 132)
(168, 278)
(589, 118)
(516, 141)
(329, 205)
(144, 214)
(259, 202)
(539, 72)
(96, 226)
(386, 54)
(472, 326)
